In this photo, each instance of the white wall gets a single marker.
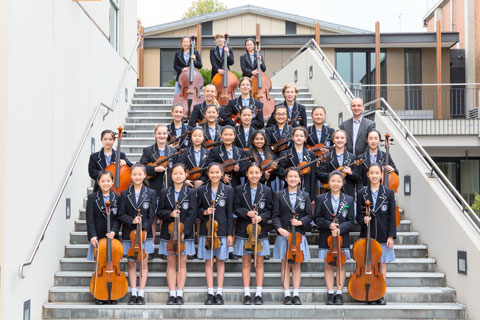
(60, 66)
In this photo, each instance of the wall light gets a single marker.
(407, 185)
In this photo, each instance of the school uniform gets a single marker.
(383, 213)
(274, 134)
(211, 134)
(243, 138)
(343, 207)
(332, 163)
(191, 159)
(248, 63)
(245, 197)
(262, 156)
(187, 204)
(284, 204)
(198, 114)
(236, 105)
(130, 202)
(99, 161)
(151, 154)
(368, 159)
(96, 215)
(182, 60)
(223, 204)
(297, 111)
(216, 59)
(184, 141)
(323, 136)
(220, 155)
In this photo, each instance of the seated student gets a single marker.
(181, 62)
(285, 202)
(280, 129)
(244, 131)
(177, 128)
(382, 218)
(248, 61)
(211, 127)
(319, 132)
(195, 156)
(197, 118)
(334, 202)
(295, 109)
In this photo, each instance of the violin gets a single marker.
(226, 82)
(236, 117)
(335, 255)
(294, 255)
(163, 160)
(121, 174)
(319, 149)
(281, 145)
(390, 179)
(305, 167)
(138, 237)
(108, 282)
(367, 283)
(173, 139)
(289, 122)
(195, 173)
(210, 144)
(253, 230)
(229, 164)
(212, 241)
(176, 244)
(267, 164)
(351, 163)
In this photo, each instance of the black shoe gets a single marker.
(338, 299)
(381, 301)
(266, 258)
(140, 300)
(296, 300)
(133, 300)
(287, 300)
(232, 256)
(171, 300)
(210, 300)
(192, 257)
(370, 302)
(258, 300)
(247, 300)
(179, 300)
(219, 300)
(113, 302)
(99, 302)
(330, 299)
(151, 256)
(162, 256)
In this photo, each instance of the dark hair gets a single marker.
(211, 105)
(319, 107)
(214, 164)
(338, 173)
(280, 106)
(104, 173)
(197, 128)
(375, 130)
(144, 168)
(254, 164)
(266, 150)
(300, 128)
(293, 169)
(249, 39)
(228, 127)
(245, 108)
(177, 105)
(243, 79)
(185, 37)
(374, 164)
(108, 131)
(181, 165)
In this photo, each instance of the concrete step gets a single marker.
(172, 89)
(303, 98)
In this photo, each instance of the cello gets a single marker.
(176, 244)
(252, 244)
(212, 240)
(121, 174)
(108, 282)
(390, 179)
(137, 237)
(367, 283)
(226, 82)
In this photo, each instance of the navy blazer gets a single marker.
(247, 65)
(206, 132)
(282, 210)
(268, 154)
(198, 114)
(96, 214)
(188, 158)
(243, 204)
(217, 60)
(323, 217)
(147, 203)
(179, 62)
(308, 180)
(384, 215)
(223, 208)
(151, 154)
(325, 139)
(361, 145)
(235, 105)
(97, 163)
(183, 141)
(331, 164)
(240, 137)
(298, 111)
(381, 159)
(187, 204)
(273, 134)
(219, 154)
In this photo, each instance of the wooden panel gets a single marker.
(301, 29)
(249, 21)
(234, 25)
(219, 26)
(278, 26)
(152, 68)
(265, 24)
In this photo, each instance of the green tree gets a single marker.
(200, 7)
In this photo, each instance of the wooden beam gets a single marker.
(199, 39)
(439, 70)
(317, 33)
(140, 53)
(377, 61)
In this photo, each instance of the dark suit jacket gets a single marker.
(179, 63)
(147, 202)
(248, 67)
(217, 60)
(298, 111)
(366, 163)
(361, 145)
(223, 208)
(96, 214)
(282, 210)
(240, 137)
(97, 163)
(273, 134)
(308, 180)
(219, 154)
(326, 138)
(331, 164)
(235, 105)
(151, 154)
(184, 141)
(198, 114)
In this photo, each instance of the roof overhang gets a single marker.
(431, 12)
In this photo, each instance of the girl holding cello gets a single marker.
(280, 130)
(198, 113)
(215, 207)
(336, 206)
(382, 217)
(248, 61)
(253, 205)
(182, 60)
(137, 206)
(178, 201)
(211, 127)
(195, 156)
(177, 130)
(291, 209)
(97, 219)
(296, 111)
(103, 158)
(244, 131)
(319, 132)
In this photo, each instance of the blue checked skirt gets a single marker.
(239, 250)
(388, 255)
(322, 253)
(147, 245)
(221, 253)
(90, 255)
(189, 248)
(281, 248)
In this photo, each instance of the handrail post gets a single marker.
(377, 60)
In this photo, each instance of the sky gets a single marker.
(394, 15)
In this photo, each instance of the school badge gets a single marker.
(302, 205)
(221, 203)
(114, 211)
(261, 205)
(384, 207)
(146, 205)
(185, 205)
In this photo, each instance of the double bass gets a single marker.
(121, 174)
(390, 179)
(226, 82)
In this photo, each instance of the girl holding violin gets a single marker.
(248, 61)
(261, 152)
(177, 130)
(245, 100)
(97, 219)
(195, 156)
(335, 216)
(211, 127)
(182, 60)
(375, 155)
(340, 159)
(216, 55)
(319, 132)
(137, 206)
(291, 208)
(296, 111)
(244, 131)
(178, 201)
(215, 207)
(280, 131)
(382, 217)
(198, 113)
(103, 158)
(253, 205)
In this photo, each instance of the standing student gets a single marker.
(178, 201)
(215, 198)
(319, 132)
(285, 202)
(245, 130)
(217, 55)
(181, 62)
(261, 152)
(103, 158)
(248, 61)
(211, 128)
(195, 156)
(198, 113)
(334, 202)
(279, 129)
(137, 196)
(177, 128)
(295, 109)
(97, 219)
(253, 205)
(382, 217)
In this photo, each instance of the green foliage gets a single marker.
(476, 204)
(200, 7)
(171, 83)
(239, 75)
(207, 76)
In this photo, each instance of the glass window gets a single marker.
(114, 23)
(167, 72)
(469, 179)
(207, 28)
(413, 75)
(290, 27)
(344, 66)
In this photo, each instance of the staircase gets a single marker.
(415, 290)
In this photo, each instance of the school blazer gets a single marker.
(96, 214)
(308, 180)
(282, 210)
(323, 217)
(187, 204)
(243, 204)
(273, 134)
(184, 141)
(257, 158)
(197, 114)
(219, 154)
(98, 163)
(325, 139)
(206, 132)
(179, 62)
(298, 111)
(223, 208)
(384, 215)
(381, 157)
(361, 145)
(151, 154)
(235, 105)
(147, 203)
(247, 65)
(217, 60)
(331, 164)
(188, 158)
(240, 137)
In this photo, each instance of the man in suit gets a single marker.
(357, 128)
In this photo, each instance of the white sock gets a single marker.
(295, 292)
(134, 291)
(141, 293)
(219, 290)
(246, 290)
(287, 292)
(210, 291)
(172, 293)
(338, 292)
(331, 291)
(179, 293)
(230, 249)
(258, 293)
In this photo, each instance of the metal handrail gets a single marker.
(425, 157)
(413, 84)
(74, 162)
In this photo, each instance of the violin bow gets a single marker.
(178, 235)
(256, 236)
(140, 243)
(211, 229)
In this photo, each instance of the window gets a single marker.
(167, 73)
(413, 75)
(290, 27)
(207, 28)
(114, 23)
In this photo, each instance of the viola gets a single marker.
(212, 240)
(281, 145)
(226, 82)
(195, 173)
(163, 160)
(121, 174)
(108, 282)
(294, 255)
(236, 117)
(137, 251)
(253, 230)
(289, 122)
(305, 167)
(229, 164)
(351, 163)
(367, 283)
(173, 139)
(176, 244)
(267, 164)
(319, 149)
(210, 144)
(390, 179)
(335, 255)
